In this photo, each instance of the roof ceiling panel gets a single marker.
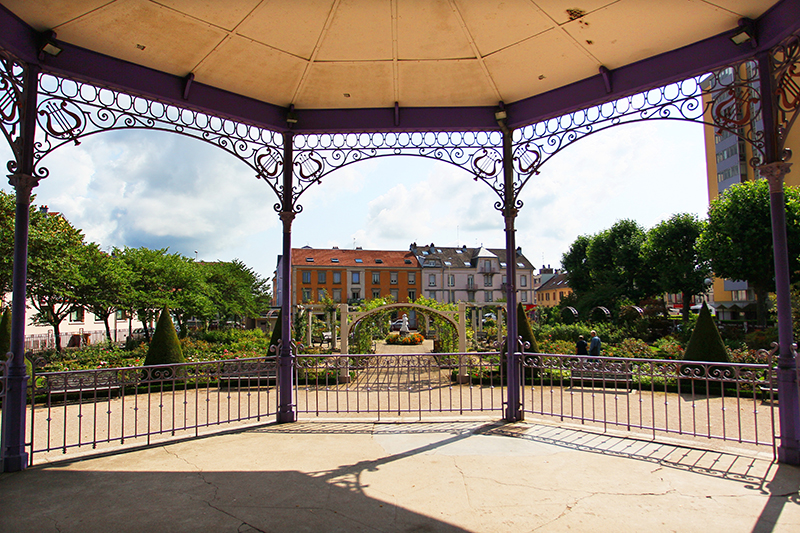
(562, 12)
(145, 33)
(496, 25)
(360, 30)
(48, 14)
(294, 27)
(368, 84)
(629, 30)
(444, 83)
(239, 65)
(522, 70)
(227, 14)
(430, 29)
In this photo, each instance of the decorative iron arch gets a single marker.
(449, 316)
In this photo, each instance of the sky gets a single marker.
(156, 189)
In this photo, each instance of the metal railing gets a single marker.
(87, 409)
(727, 401)
(393, 384)
(46, 341)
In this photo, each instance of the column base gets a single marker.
(286, 417)
(788, 456)
(15, 463)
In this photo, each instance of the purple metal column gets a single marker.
(286, 403)
(775, 170)
(514, 403)
(15, 458)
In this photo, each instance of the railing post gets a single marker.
(286, 370)
(15, 458)
(514, 410)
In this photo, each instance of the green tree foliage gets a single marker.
(738, 237)
(671, 247)
(237, 291)
(165, 279)
(5, 333)
(55, 253)
(165, 348)
(277, 333)
(608, 268)
(106, 284)
(706, 343)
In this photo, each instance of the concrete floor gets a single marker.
(468, 475)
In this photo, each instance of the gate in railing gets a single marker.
(727, 401)
(105, 407)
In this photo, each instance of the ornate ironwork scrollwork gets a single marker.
(785, 62)
(317, 155)
(12, 85)
(728, 99)
(70, 110)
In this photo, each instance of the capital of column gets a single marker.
(287, 217)
(774, 173)
(23, 182)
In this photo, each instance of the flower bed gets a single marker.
(409, 340)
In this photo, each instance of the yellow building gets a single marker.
(727, 163)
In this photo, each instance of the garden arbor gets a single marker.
(297, 101)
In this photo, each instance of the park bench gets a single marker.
(618, 374)
(83, 385)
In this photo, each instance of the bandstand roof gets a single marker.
(388, 64)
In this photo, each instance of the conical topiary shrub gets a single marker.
(276, 332)
(5, 333)
(706, 344)
(524, 330)
(164, 348)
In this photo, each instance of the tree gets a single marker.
(7, 217)
(738, 238)
(672, 246)
(106, 284)
(163, 279)
(706, 344)
(236, 290)
(55, 253)
(607, 268)
(5, 334)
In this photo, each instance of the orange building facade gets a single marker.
(351, 275)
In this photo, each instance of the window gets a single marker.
(395, 294)
(487, 296)
(470, 296)
(322, 276)
(412, 278)
(393, 278)
(356, 278)
(487, 280)
(76, 315)
(431, 280)
(306, 276)
(306, 295)
(376, 293)
(505, 279)
(337, 295)
(523, 281)
(524, 296)
(412, 295)
(470, 281)
(321, 294)
(451, 280)
(547, 296)
(432, 295)
(487, 265)
(337, 277)
(376, 278)
(356, 294)
(359, 261)
(560, 295)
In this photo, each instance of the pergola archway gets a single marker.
(546, 78)
(457, 319)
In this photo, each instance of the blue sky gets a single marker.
(138, 188)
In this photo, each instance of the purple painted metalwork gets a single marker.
(776, 128)
(74, 410)
(288, 210)
(23, 180)
(775, 25)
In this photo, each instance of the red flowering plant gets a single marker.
(407, 340)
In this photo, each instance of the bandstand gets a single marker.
(297, 91)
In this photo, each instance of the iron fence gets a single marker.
(397, 384)
(136, 405)
(727, 401)
(47, 341)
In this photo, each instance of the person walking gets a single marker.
(580, 346)
(594, 344)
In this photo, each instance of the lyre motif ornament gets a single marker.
(60, 121)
